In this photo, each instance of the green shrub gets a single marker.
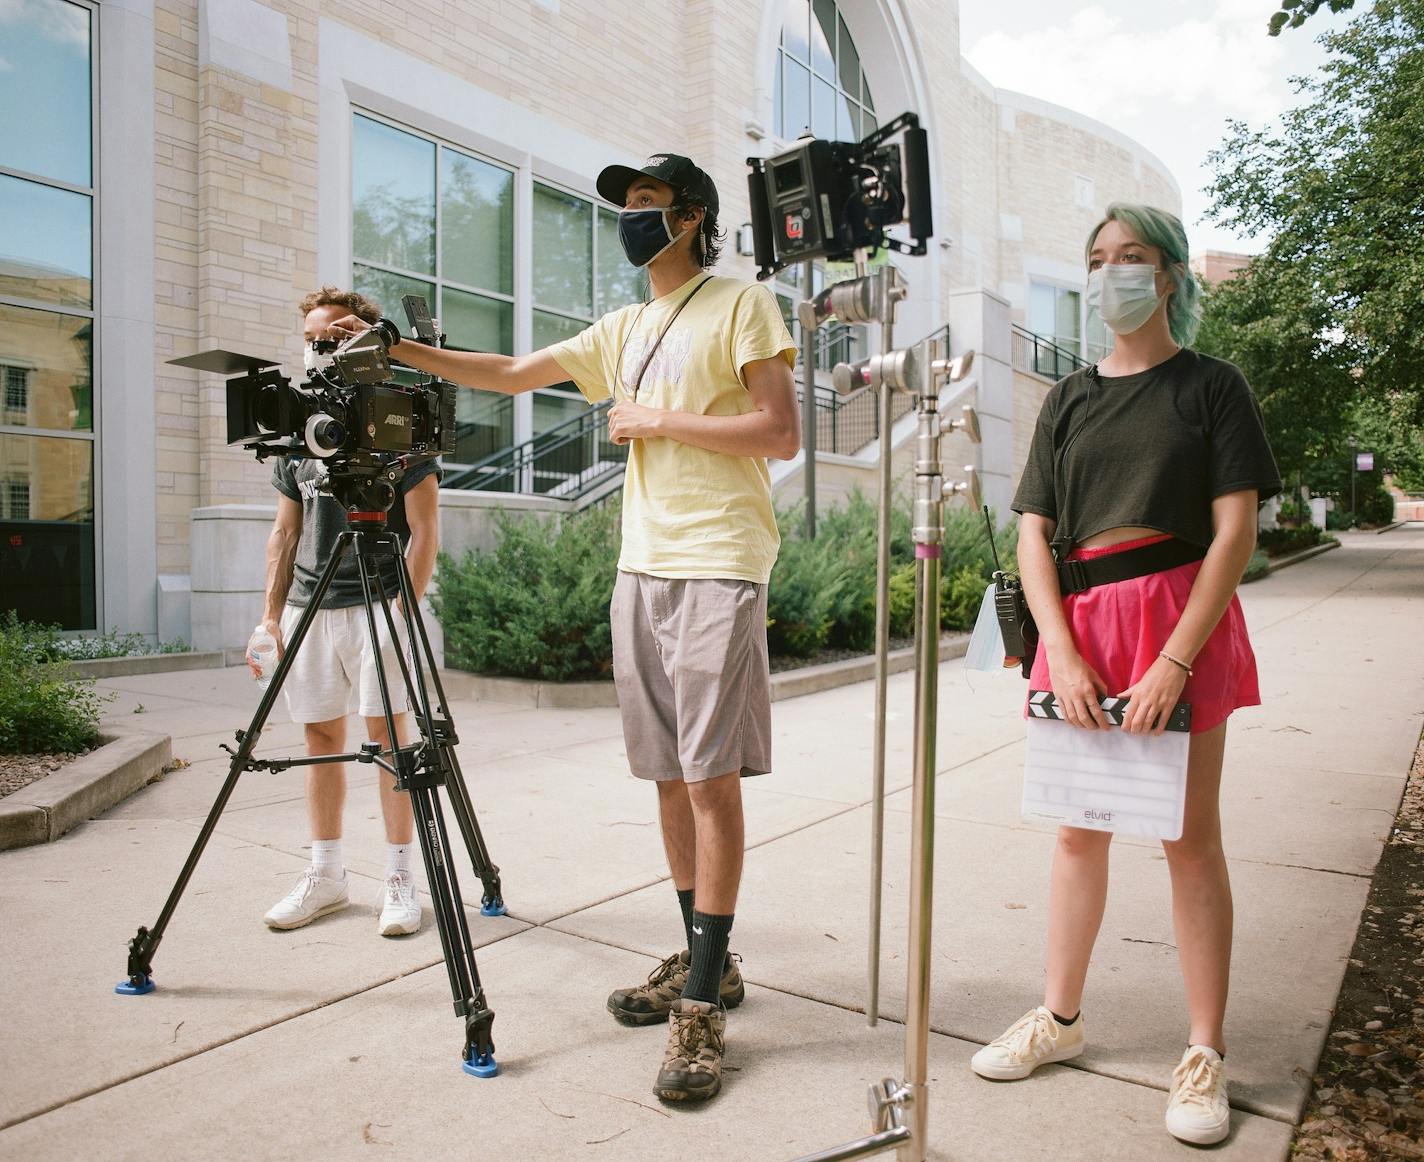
(1375, 506)
(1281, 542)
(823, 592)
(41, 710)
(902, 600)
(1257, 567)
(537, 605)
(47, 643)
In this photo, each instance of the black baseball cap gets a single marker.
(672, 168)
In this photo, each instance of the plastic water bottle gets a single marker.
(262, 650)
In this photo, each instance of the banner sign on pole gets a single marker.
(1364, 461)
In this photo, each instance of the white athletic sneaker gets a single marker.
(315, 895)
(1034, 1039)
(400, 910)
(1197, 1110)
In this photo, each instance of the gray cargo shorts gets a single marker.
(690, 665)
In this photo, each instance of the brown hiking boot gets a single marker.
(650, 1003)
(692, 1065)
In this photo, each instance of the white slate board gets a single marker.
(1106, 780)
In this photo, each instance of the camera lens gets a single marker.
(323, 435)
(266, 408)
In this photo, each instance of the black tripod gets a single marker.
(419, 769)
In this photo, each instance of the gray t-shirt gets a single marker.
(1152, 449)
(323, 520)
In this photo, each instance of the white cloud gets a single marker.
(1099, 64)
(5, 66)
(1167, 75)
(65, 23)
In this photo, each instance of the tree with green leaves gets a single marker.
(1269, 321)
(1294, 13)
(1338, 187)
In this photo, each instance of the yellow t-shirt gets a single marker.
(688, 512)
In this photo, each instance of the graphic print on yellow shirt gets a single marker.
(688, 512)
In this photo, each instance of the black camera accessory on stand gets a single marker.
(828, 199)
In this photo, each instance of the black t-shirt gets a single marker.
(1152, 449)
(323, 520)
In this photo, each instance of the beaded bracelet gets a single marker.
(1175, 661)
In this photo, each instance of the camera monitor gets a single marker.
(828, 199)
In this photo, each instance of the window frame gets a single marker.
(94, 192)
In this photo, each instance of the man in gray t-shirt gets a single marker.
(337, 655)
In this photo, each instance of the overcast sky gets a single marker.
(1169, 73)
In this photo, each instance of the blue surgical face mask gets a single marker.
(1124, 295)
(645, 235)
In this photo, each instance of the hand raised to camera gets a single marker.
(349, 325)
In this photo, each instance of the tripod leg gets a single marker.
(145, 943)
(419, 772)
(441, 733)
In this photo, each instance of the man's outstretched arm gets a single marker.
(508, 374)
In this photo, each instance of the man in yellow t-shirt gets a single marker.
(701, 379)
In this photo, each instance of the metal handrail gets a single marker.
(1040, 355)
(567, 460)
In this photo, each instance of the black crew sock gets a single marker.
(1066, 1020)
(709, 954)
(684, 901)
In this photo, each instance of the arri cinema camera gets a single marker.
(830, 199)
(352, 413)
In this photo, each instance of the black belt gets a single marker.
(1077, 576)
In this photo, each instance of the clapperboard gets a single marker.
(1106, 780)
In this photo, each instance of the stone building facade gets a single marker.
(244, 151)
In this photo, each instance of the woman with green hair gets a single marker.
(1145, 472)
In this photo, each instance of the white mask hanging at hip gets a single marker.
(1124, 295)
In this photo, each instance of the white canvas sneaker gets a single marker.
(1197, 1109)
(315, 895)
(400, 910)
(1034, 1039)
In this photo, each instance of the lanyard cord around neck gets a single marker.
(647, 359)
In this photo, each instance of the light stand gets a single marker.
(871, 298)
(900, 1110)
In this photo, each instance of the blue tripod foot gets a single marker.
(493, 907)
(127, 988)
(480, 1066)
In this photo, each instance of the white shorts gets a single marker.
(335, 658)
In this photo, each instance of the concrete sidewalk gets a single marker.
(330, 1042)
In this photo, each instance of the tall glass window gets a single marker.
(820, 84)
(47, 195)
(580, 273)
(1055, 313)
(432, 220)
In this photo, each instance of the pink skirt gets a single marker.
(1120, 628)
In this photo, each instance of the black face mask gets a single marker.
(645, 234)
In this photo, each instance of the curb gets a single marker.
(1303, 555)
(91, 784)
(145, 664)
(830, 675)
(600, 695)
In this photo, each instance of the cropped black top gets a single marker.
(1152, 449)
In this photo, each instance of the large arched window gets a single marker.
(820, 88)
(820, 84)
